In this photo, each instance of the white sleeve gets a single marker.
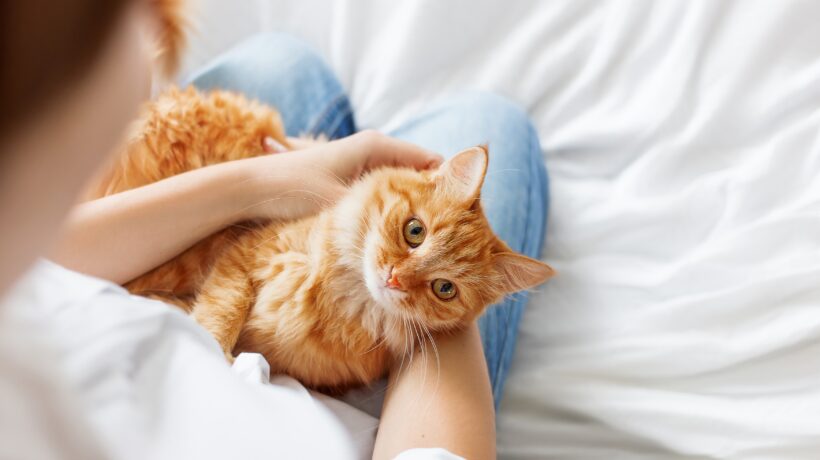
(40, 417)
(427, 454)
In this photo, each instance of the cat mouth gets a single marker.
(380, 291)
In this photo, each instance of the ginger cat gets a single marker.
(330, 299)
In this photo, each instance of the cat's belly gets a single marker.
(318, 358)
(306, 336)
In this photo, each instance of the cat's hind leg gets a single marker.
(224, 302)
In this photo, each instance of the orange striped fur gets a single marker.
(313, 295)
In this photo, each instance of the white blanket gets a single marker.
(682, 139)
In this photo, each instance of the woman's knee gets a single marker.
(485, 102)
(487, 105)
(263, 57)
(506, 126)
(278, 54)
(280, 70)
(516, 186)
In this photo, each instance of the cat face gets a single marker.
(428, 252)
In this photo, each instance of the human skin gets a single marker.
(45, 165)
(122, 236)
(440, 402)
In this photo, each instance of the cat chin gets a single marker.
(388, 299)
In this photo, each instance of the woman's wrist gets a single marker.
(445, 402)
(240, 190)
(294, 184)
(258, 187)
(284, 185)
(216, 194)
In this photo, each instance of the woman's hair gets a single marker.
(46, 46)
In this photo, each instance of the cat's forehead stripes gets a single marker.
(458, 251)
(458, 245)
(455, 236)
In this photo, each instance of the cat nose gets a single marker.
(393, 281)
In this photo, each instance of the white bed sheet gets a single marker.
(682, 142)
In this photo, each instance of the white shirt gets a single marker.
(80, 355)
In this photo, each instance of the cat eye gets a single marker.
(444, 289)
(414, 232)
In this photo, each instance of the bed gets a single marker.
(682, 140)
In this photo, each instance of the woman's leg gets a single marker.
(286, 73)
(514, 196)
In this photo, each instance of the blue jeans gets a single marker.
(287, 74)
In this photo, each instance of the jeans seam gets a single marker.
(339, 115)
(342, 114)
(498, 370)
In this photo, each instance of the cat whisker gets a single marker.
(266, 201)
(224, 284)
(424, 359)
(276, 235)
(438, 364)
(332, 174)
(315, 198)
(296, 172)
(263, 177)
(404, 349)
(412, 336)
(300, 172)
(414, 331)
(375, 346)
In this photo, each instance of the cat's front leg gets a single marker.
(223, 304)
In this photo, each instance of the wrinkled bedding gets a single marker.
(683, 144)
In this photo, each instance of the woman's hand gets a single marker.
(122, 236)
(369, 149)
(297, 183)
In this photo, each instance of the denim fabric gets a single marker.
(282, 71)
(514, 195)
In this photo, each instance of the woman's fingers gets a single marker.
(301, 143)
(411, 155)
(271, 145)
(382, 150)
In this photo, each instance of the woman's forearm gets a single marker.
(452, 410)
(122, 236)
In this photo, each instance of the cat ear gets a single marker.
(521, 272)
(463, 175)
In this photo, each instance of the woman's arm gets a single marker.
(122, 236)
(453, 410)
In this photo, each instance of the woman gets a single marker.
(69, 88)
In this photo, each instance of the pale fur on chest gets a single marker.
(312, 316)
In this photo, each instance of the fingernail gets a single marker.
(272, 146)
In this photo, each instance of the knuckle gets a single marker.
(371, 137)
